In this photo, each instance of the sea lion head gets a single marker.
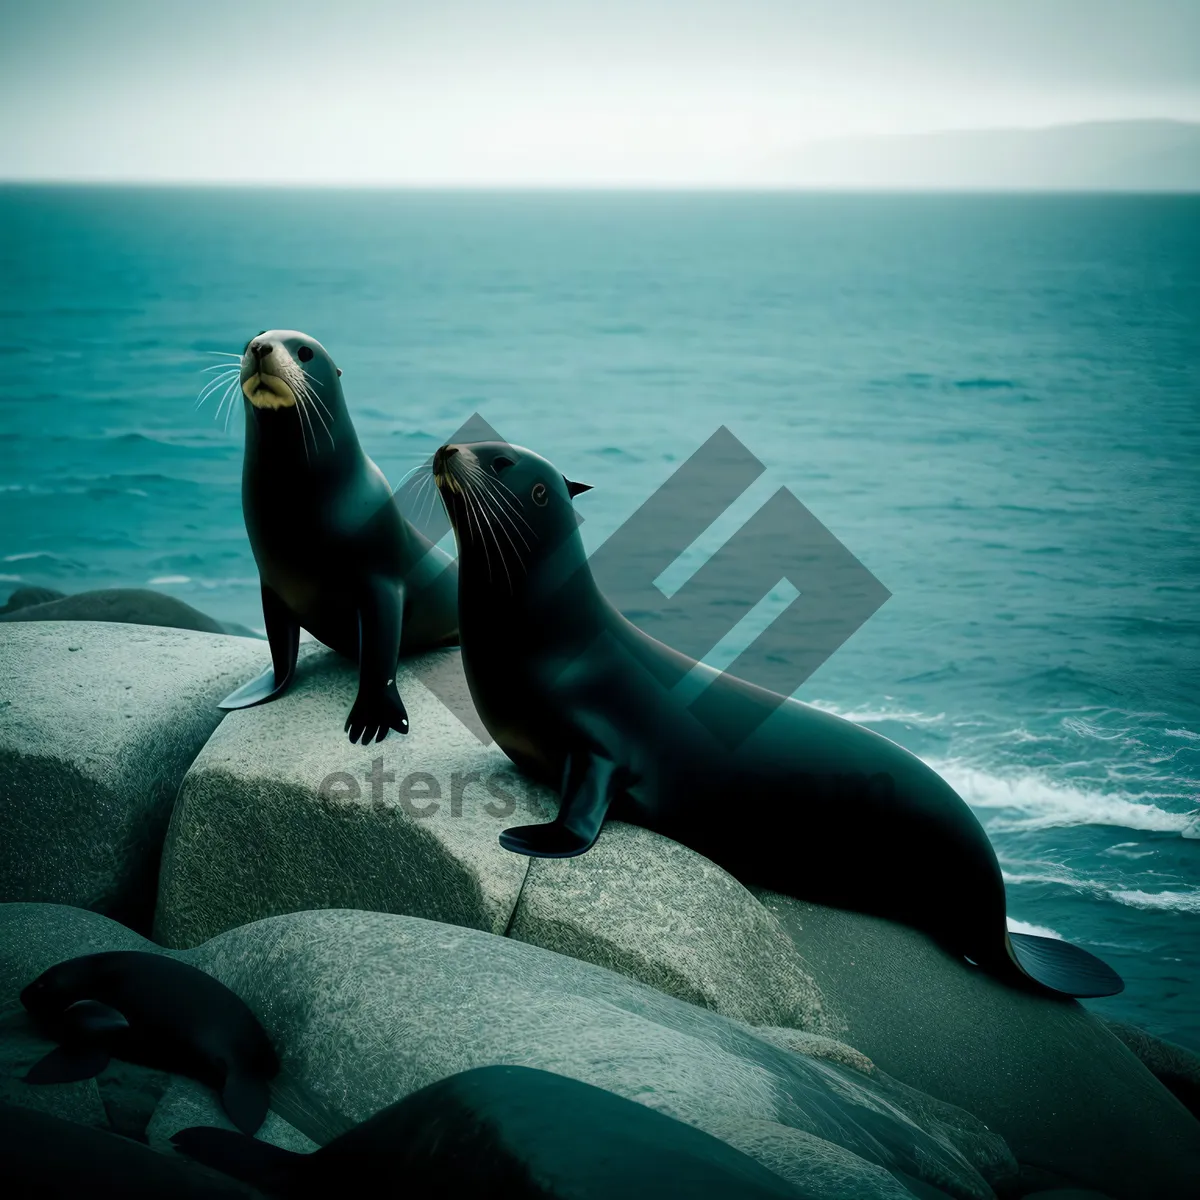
(292, 386)
(509, 507)
(57, 987)
(279, 366)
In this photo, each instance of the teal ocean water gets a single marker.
(994, 402)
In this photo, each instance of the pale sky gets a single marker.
(514, 92)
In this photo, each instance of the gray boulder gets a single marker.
(128, 606)
(366, 1008)
(654, 910)
(100, 723)
(281, 813)
(1073, 1104)
(1176, 1067)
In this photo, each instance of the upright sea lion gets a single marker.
(507, 1132)
(808, 803)
(149, 1008)
(335, 556)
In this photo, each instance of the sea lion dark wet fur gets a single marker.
(335, 556)
(808, 804)
(43, 1157)
(151, 1009)
(503, 1132)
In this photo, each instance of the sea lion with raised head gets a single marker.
(335, 555)
(808, 803)
(149, 1008)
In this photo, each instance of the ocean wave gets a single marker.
(876, 716)
(1038, 803)
(1186, 901)
(1015, 926)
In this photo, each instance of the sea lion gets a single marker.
(808, 803)
(335, 556)
(43, 1157)
(503, 1131)
(151, 1009)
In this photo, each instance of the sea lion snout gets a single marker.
(261, 350)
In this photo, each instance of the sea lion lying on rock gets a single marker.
(509, 1132)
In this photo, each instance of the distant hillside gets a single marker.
(1097, 156)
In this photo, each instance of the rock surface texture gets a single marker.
(99, 724)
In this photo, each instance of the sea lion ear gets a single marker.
(339, 371)
(574, 489)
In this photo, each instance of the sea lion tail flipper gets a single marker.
(237, 1155)
(1061, 967)
(283, 636)
(67, 1064)
(245, 1098)
(589, 782)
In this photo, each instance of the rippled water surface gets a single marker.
(994, 402)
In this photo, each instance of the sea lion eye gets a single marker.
(304, 354)
(500, 463)
(539, 494)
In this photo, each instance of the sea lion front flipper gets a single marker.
(67, 1064)
(589, 783)
(378, 706)
(283, 636)
(246, 1098)
(93, 1017)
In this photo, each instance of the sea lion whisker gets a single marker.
(212, 385)
(314, 383)
(226, 353)
(306, 396)
(504, 518)
(484, 511)
(230, 391)
(513, 506)
(219, 367)
(500, 549)
(470, 507)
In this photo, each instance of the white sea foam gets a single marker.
(1030, 801)
(159, 580)
(876, 716)
(1186, 901)
(1015, 926)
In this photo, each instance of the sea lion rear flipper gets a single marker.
(67, 1064)
(1064, 968)
(283, 636)
(588, 786)
(238, 1155)
(246, 1098)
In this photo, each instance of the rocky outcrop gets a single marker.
(128, 606)
(366, 1008)
(654, 910)
(281, 813)
(1073, 1104)
(1176, 1067)
(100, 723)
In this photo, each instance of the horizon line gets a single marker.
(641, 186)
